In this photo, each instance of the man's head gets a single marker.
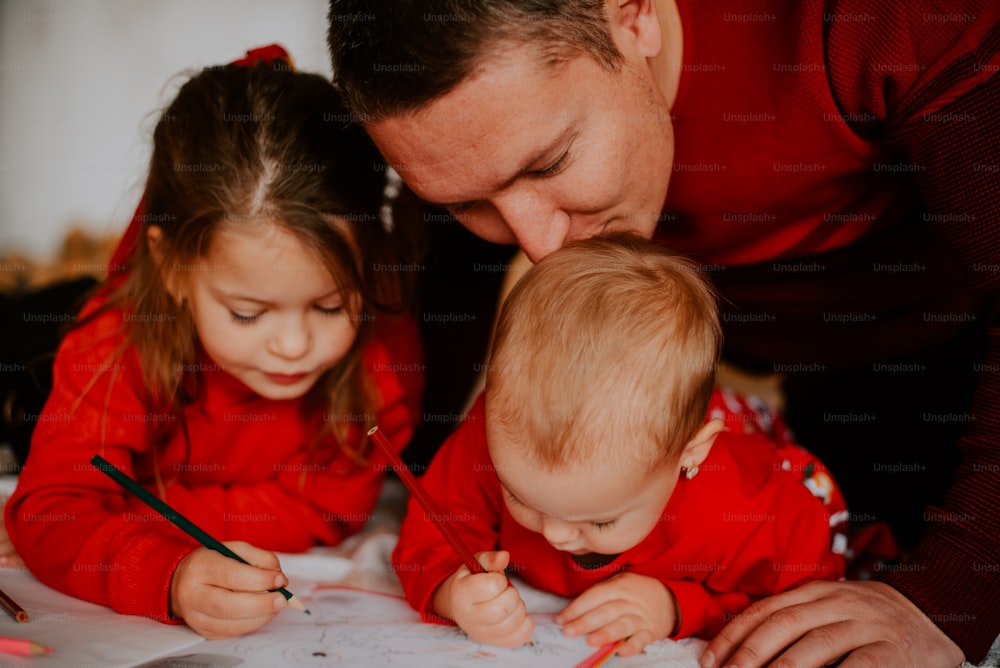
(536, 122)
(599, 380)
(397, 56)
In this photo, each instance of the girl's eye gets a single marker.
(244, 319)
(330, 310)
(603, 526)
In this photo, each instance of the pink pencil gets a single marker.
(23, 647)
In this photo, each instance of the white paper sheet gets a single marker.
(359, 628)
(83, 634)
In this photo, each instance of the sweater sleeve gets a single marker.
(461, 482)
(931, 75)
(75, 528)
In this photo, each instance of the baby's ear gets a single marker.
(154, 239)
(700, 445)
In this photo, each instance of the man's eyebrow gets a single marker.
(565, 138)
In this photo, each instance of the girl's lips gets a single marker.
(285, 378)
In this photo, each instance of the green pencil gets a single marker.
(186, 525)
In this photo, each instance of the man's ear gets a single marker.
(701, 443)
(154, 238)
(637, 22)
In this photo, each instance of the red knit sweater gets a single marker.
(747, 526)
(247, 476)
(843, 156)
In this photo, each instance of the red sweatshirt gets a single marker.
(843, 157)
(247, 475)
(760, 517)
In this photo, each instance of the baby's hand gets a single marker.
(219, 597)
(484, 605)
(631, 606)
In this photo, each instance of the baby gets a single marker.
(601, 465)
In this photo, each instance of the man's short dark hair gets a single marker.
(396, 56)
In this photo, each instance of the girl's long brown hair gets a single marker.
(244, 146)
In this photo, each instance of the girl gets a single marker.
(233, 368)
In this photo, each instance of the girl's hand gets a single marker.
(631, 606)
(219, 597)
(484, 605)
(9, 558)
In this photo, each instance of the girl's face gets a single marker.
(267, 311)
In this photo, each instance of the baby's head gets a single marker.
(601, 371)
(261, 232)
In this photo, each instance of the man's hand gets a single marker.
(631, 606)
(868, 623)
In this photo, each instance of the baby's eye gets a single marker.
(603, 526)
(512, 498)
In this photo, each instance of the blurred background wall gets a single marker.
(81, 84)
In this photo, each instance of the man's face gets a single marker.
(539, 154)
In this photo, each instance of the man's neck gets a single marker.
(666, 66)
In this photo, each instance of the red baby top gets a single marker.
(761, 516)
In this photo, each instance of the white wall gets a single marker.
(81, 82)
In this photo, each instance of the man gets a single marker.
(833, 164)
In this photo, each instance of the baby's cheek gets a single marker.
(616, 541)
(525, 518)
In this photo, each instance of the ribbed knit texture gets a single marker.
(841, 159)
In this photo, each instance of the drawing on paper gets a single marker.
(351, 627)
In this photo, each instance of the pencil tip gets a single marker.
(298, 605)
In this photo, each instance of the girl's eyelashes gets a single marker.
(242, 319)
(603, 526)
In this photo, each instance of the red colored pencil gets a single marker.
(22, 647)
(11, 606)
(417, 490)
